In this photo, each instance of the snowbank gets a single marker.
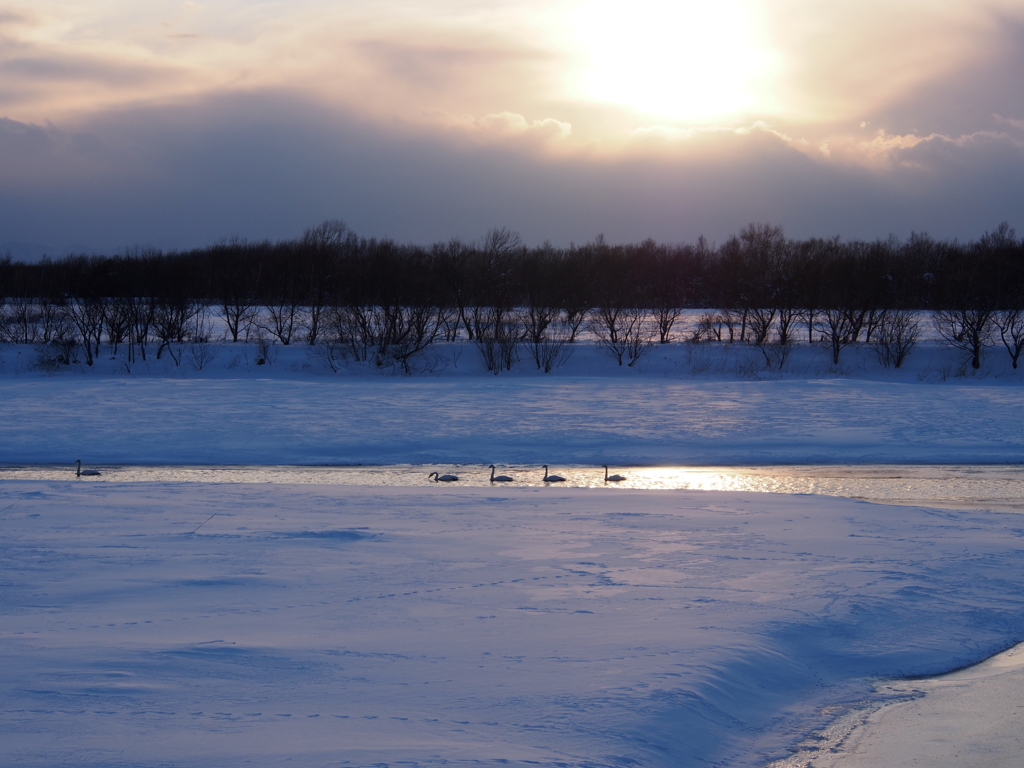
(969, 717)
(336, 625)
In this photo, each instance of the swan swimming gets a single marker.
(442, 478)
(612, 478)
(552, 478)
(79, 472)
(500, 478)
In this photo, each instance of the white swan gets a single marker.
(612, 478)
(79, 472)
(500, 478)
(552, 478)
(442, 478)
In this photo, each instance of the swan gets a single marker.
(612, 478)
(552, 478)
(500, 478)
(79, 472)
(442, 478)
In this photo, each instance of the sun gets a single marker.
(686, 61)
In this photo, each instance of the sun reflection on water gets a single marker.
(995, 487)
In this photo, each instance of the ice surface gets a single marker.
(377, 420)
(339, 625)
(685, 404)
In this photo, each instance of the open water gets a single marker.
(997, 487)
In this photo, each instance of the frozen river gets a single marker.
(997, 487)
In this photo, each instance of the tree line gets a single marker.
(379, 300)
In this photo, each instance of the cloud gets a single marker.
(977, 104)
(670, 134)
(1009, 121)
(428, 120)
(852, 57)
(434, 66)
(58, 68)
(392, 60)
(962, 100)
(505, 125)
(915, 68)
(43, 77)
(979, 151)
(268, 164)
(13, 17)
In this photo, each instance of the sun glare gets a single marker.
(686, 61)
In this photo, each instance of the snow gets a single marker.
(340, 625)
(969, 717)
(352, 625)
(591, 412)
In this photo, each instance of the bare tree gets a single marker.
(709, 328)
(173, 318)
(285, 315)
(52, 319)
(1010, 323)
(621, 331)
(418, 327)
(88, 317)
(574, 276)
(966, 297)
(896, 337)
(323, 247)
(841, 297)
(834, 325)
(198, 349)
(619, 318)
(496, 325)
(573, 318)
(735, 323)
(546, 337)
(62, 342)
(498, 336)
(456, 262)
(116, 321)
(34, 320)
(761, 321)
(662, 285)
(544, 334)
(393, 311)
(553, 350)
(1008, 267)
(969, 330)
(21, 323)
(754, 262)
(238, 275)
(383, 335)
(138, 312)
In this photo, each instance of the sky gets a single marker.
(178, 124)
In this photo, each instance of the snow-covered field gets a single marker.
(333, 625)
